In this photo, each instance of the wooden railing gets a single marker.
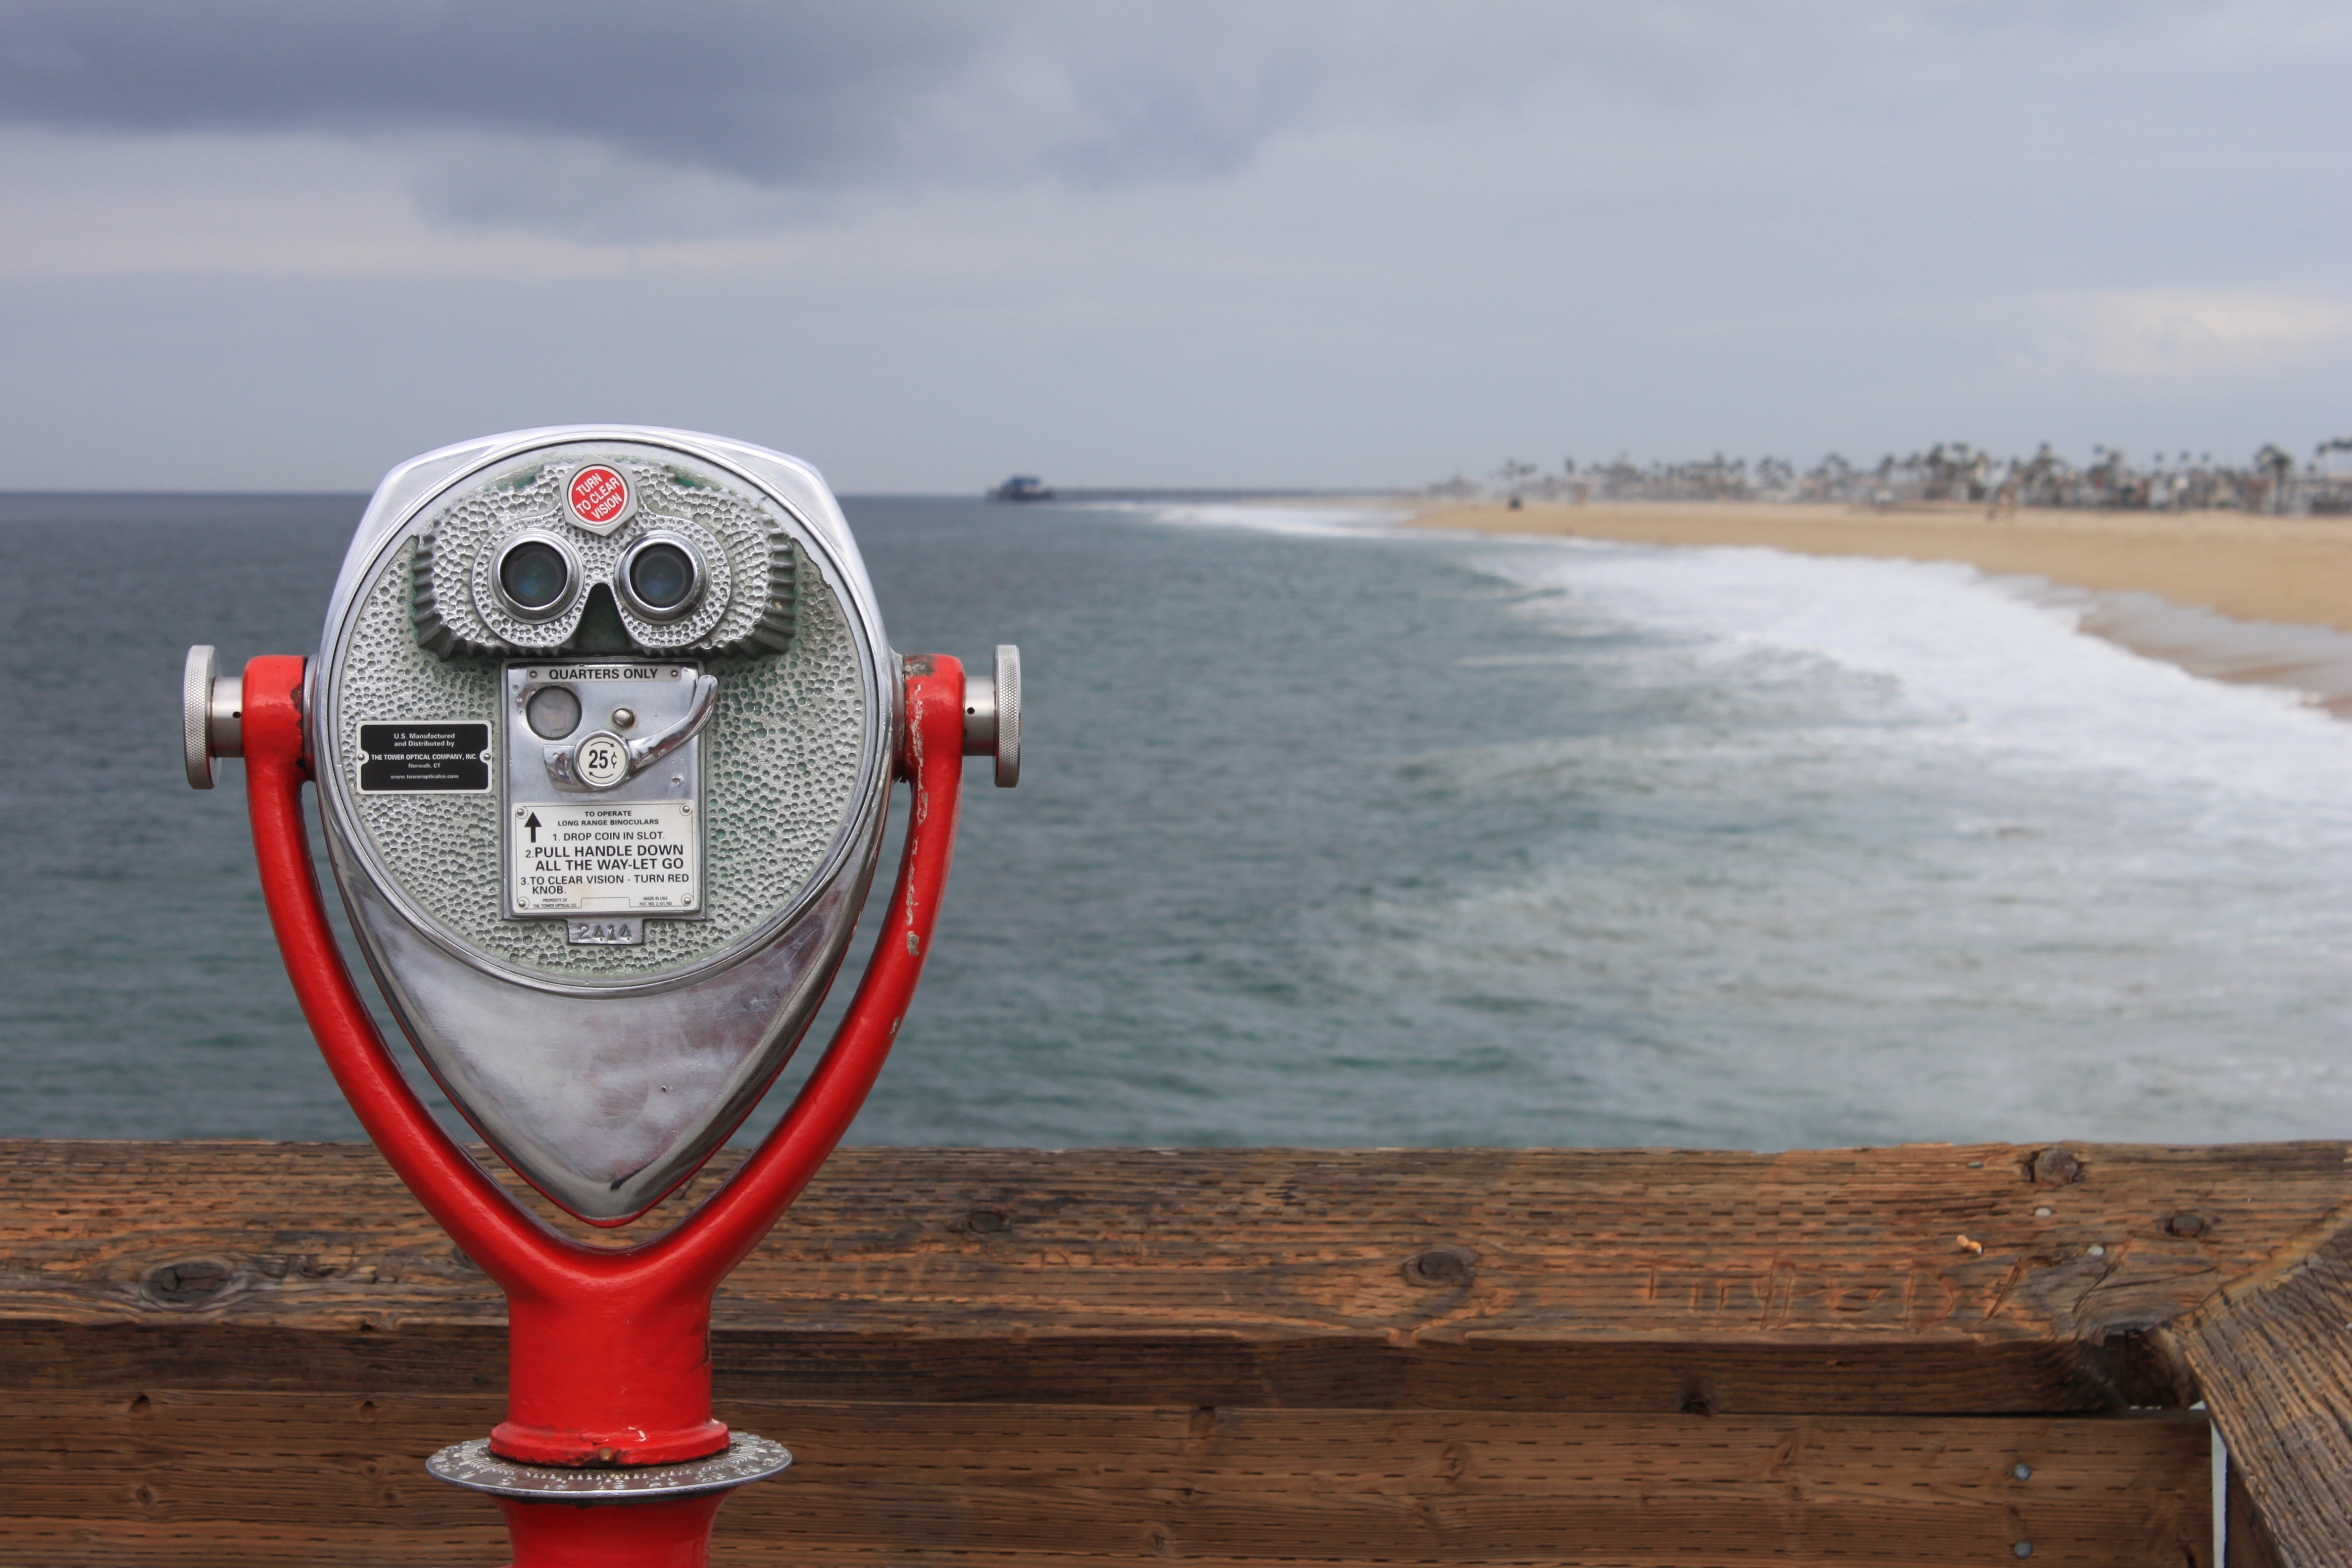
(241, 1352)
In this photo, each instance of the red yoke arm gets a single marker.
(723, 1232)
(487, 1226)
(525, 1255)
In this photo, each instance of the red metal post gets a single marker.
(609, 1348)
(670, 1534)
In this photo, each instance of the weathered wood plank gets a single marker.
(1569, 1290)
(2248, 1540)
(1689, 1276)
(1722, 1374)
(2274, 1355)
(59, 1545)
(102, 1474)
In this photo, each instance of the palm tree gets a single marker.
(2273, 460)
(1515, 476)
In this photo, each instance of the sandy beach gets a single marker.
(2294, 570)
(2284, 584)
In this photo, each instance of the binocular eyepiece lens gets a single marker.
(661, 577)
(534, 574)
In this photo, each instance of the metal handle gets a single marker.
(211, 715)
(992, 716)
(644, 753)
(563, 761)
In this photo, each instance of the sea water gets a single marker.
(1333, 834)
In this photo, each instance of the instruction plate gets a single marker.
(604, 856)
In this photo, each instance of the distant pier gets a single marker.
(1030, 488)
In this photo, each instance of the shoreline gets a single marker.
(2250, 599)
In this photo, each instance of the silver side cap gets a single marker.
(211, 715)
(992, 716)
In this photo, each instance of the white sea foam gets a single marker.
(1982, 666)
(2013, 665)
(1325, 522)
(1870, 849)
(2023, 878)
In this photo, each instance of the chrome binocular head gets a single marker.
(603, 721)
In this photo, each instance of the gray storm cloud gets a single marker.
(803, 94)
(778, 94)
(1209, 241)
(781, 95)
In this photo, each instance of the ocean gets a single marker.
(1332, 833)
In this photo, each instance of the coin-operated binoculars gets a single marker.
(604, 727)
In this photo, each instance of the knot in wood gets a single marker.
(2187, 1223)
(1441, 1267)
(2053, 1167)
(984, 1222)
(188, 1281)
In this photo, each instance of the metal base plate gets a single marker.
(745, 1459)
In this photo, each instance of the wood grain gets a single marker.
(2273, 1355)
(1029, 1482)
(1292, 1275)
(1224, 1356)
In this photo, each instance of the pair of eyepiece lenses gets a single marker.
(660, 577)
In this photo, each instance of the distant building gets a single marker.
(1022, 487)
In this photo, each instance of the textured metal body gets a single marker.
(606, 1071)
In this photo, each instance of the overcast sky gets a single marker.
(252, 245)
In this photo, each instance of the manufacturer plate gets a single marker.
(641, 856)
(401, 759)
